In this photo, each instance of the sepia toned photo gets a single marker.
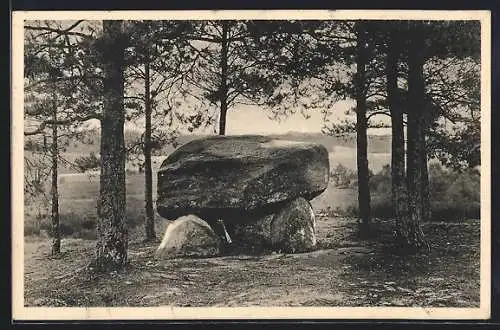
(251, 164)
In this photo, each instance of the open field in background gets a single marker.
(78, 194)
(78, 201)
(342, 149)
(86, 185)
(78, 191)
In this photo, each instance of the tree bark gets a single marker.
(223, 83)
(148, 171)
(112, 240)
(429, 116)
(426, 203)
(56, 232)
(410, 233)
(398, 177)
(361, 130)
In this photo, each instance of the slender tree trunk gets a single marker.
(361, 133)
(398, 177)
(411, 234)
(429, 117)
(112, 240)
(426, 203)
(56, 232)
(148, 171)
(223, 84)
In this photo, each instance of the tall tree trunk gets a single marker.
(112, 240)
(361, 133)
(429, 116)
(426, 203)
(148, 171)
(398, 177)
(410, 232)
(56, 232)
(223, 83)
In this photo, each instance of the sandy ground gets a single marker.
(344, 271)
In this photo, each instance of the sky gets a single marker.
(254, 120)
(248, 120)
(244, 119)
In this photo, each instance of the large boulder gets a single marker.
(293, 227)
(188, 236)
(224, 177)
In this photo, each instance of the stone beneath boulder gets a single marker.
(225, 176)
(253, 235)
(293, 227)
(188, 236)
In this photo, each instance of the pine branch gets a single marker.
(44, 124)
(60, 32)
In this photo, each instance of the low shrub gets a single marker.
(454, 196)
(342, 177)
(382, 208)
(352, 211)
(90, 162)
(80, 224)
(36, 219)
(30, 230)
(446, 211)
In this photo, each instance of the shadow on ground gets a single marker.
(344, 271)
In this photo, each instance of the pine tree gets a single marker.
(55, 99)
(112, 233)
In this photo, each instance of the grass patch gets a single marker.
(79, 219)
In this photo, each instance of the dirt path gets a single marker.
(345, 271)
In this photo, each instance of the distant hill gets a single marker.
(376, 143)
(379, 146)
